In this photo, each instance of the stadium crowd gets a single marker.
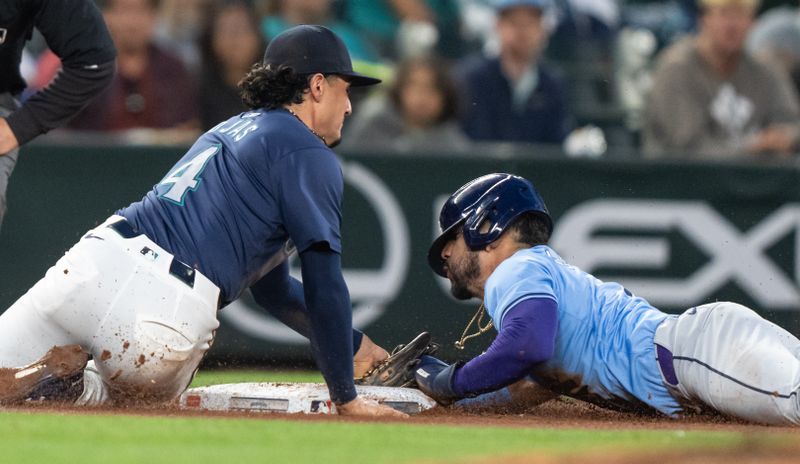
(660, 79)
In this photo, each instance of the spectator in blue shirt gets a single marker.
(513, 97)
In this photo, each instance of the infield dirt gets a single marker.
(559, 413)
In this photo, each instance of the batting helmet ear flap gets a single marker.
(481, 218)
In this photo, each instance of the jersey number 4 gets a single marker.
(186, 177)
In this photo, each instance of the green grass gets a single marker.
(51, 438)
(46, 437)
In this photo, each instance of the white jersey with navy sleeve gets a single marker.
(604, 350)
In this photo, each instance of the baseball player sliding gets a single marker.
(140, 292)
(578, 336)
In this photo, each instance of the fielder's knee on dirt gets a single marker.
(161, 382)
(157, 365)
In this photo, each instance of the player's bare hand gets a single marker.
(368, 408)
(368, 356)
(8, 141)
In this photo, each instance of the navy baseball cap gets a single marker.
(311, 49)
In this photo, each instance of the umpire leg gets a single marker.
(729, 358)
(9, 160)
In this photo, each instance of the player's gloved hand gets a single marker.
(398, 369)
(368, 408)
(435, 379)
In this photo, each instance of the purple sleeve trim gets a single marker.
(527, 338)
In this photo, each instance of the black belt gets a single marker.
(177, 269)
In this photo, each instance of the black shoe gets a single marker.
(57, 376)
(52, 388)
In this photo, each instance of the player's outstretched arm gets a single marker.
(527, 337)
(330, 320)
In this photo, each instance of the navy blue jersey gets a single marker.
(241, 192)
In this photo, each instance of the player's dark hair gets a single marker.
(270, 87)
(530, 228)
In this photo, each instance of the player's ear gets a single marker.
(315, 86)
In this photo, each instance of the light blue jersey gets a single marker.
(604, 350)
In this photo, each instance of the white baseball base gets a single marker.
(307, 398)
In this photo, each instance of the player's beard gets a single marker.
(463, 275)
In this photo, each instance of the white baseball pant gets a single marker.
(727, 357)
(146, 325)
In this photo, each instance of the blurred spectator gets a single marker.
(647, 26)
(585, 29)
(633, 78)
(514, 97)
(418, 114)
(776, 36)
(230, 44)
(151, 89)
(406, 28)
(667, 20)
(294, 12)
(712, 99)
(582, 45)
(477, 25)
(178, 27)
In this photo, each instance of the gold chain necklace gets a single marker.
(309, 128)
(477, 318)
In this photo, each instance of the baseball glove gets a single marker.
(398, 369)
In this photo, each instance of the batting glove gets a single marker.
(435, 379)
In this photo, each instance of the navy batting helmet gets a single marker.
(492, 201)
